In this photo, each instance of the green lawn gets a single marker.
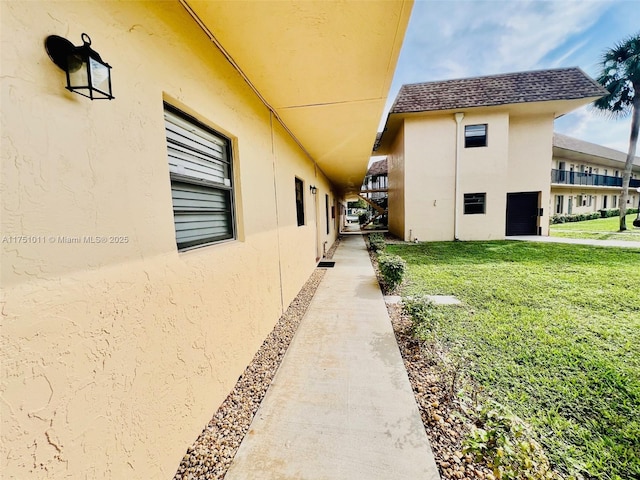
(599, 229)
(553, 332)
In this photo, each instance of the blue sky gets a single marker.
(449, 39)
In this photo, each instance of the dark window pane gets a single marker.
(475, 136)
(474, 203)
(300, 201)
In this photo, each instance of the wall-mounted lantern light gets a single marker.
(87, 74)
(313, 189)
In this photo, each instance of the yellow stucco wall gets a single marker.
(484, 170)
(530, 157)
(422, 172)
(429, 177)
(116, 355)
(396, 187)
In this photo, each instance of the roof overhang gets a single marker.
(324, 68)
(557, 108)
(583, 157)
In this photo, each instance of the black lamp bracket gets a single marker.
(59, 49)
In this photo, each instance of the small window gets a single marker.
(326, 211)
(475, 135)
(200, 169)
(474, 203)
(559, 203)
(300, 201)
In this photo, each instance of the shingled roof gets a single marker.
(378, 168)
(575, 145)
(523, 87)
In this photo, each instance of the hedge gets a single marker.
(580, 217)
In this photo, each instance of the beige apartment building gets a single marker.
(586, 177)
(469, 159)
(151, 242)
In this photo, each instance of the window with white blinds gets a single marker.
(201, 181)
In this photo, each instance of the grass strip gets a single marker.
(550, 330)
(599, 229)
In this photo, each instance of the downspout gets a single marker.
(458, 117)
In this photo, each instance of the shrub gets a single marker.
(506, 443)
(392, 268)
(363, 218)
(581, 217)
(376, 242)
(423, 313)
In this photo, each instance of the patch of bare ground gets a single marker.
(211, 454)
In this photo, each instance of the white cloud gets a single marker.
(591, 126)
(459, 38)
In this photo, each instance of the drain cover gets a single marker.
(326, 264)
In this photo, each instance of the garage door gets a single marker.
(522, 213)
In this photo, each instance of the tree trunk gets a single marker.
(633, 142)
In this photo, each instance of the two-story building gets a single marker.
(469, 159)
(374, 190)
(376, 180)
(587, 177)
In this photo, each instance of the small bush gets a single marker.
(363, 218)
(423, 313)
(580, 217)
(506, 443)
(392, 268)
(377, 243)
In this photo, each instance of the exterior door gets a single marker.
(522, 213)
(570, 208)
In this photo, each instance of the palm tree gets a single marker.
(620, 75)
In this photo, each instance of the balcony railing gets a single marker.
(578, 178)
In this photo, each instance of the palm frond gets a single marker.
(620, 75)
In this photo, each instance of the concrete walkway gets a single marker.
(340, 406)
(577, 241)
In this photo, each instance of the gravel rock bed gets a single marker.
(211, 454)
(434, 383)
(440, 409)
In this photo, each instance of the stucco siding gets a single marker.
(515, 159)
(430, 157)
(530, 159)
(484, 170)
(396, 188)
(115, 355)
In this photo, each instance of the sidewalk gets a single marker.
(577, 241)
(340, 406)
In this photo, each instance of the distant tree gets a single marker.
(620, 75)
(360, 203)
